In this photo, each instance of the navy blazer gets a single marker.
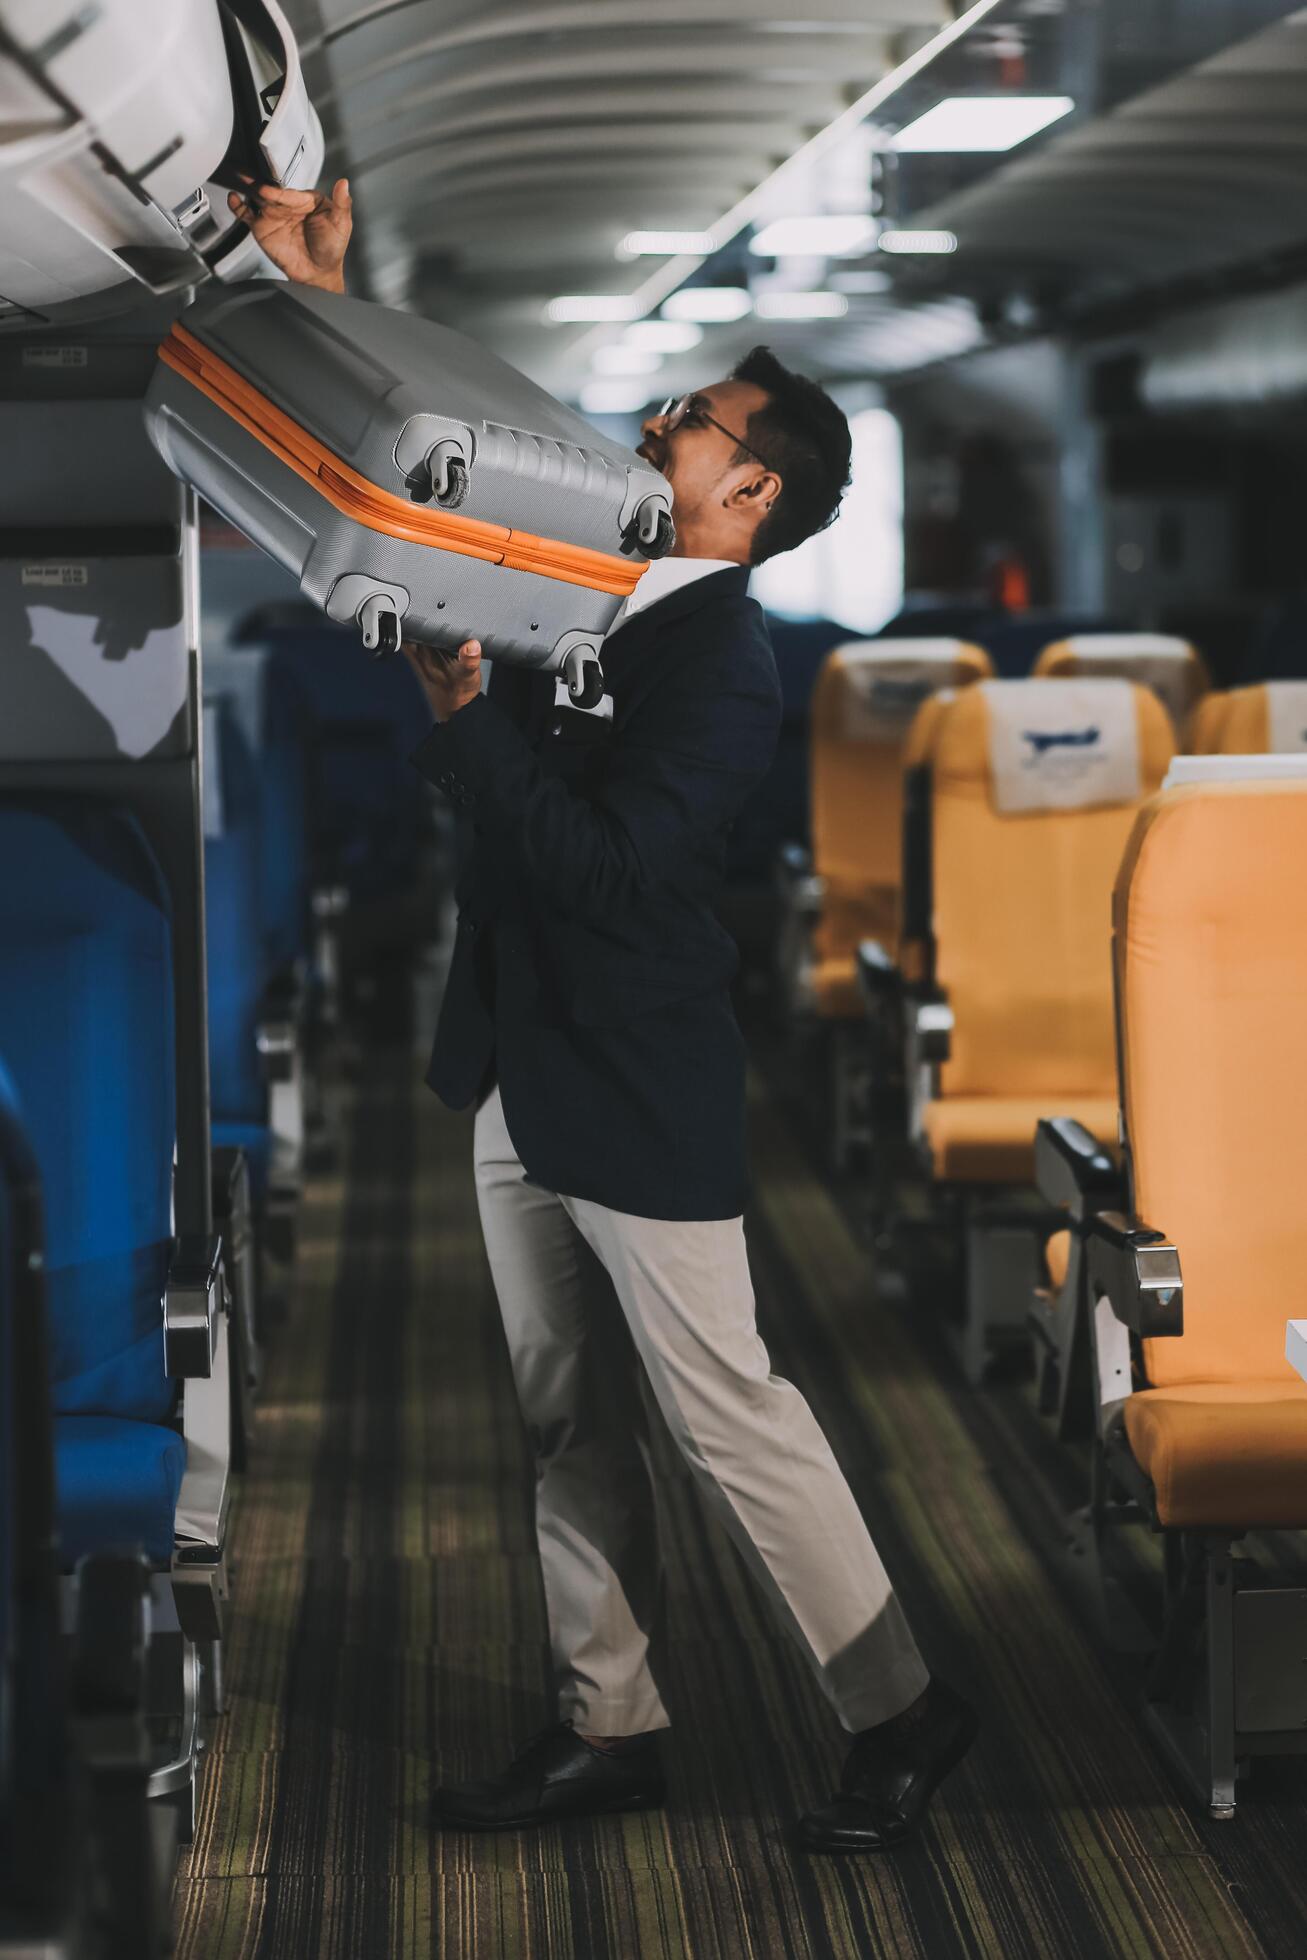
(590, 973)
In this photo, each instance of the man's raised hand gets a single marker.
(304, 233)
(449, 680)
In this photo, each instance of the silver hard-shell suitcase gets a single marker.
(414, 483)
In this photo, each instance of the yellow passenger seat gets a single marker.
(1034, 790)
(1203, 1422)
(1211, 946)
(1173, 668)
(1270, 719)
(1202, 732)
(862, 708)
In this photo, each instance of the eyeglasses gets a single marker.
(676, 412)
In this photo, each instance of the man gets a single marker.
(587, 1016)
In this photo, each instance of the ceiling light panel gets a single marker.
(709, 304)
(613, 397)
(665, 244)
(925, 243)
(823, 235)
(665, 336)
(590, 306)
(982, 122)
(618, 358)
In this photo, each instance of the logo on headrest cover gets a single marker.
(1071, 738)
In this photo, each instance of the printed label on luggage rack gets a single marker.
(64, 575)
(55, 357)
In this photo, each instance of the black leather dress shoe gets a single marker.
(890, 1775)
(557, 1775)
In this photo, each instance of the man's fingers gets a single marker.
(298, 203)
(470, 652)
(340, 196)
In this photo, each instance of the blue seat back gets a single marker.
(33, 1736)
(777, 811)
(365, 718)
(238, 965)
(272, 717)
(86, 1026)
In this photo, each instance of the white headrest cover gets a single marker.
(1187, 770)
(1286, 715)
(886, 681)
(1062, 745)
(1155, 660)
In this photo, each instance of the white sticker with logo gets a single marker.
(55, 357)
(1062, 745)
(59, 575)
(1286, 714)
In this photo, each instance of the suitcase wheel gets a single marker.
(585, 679)
(650, 531)
(379, 623)
(456, 483)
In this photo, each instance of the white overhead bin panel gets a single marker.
(123, 123)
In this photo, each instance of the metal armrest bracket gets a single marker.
(1138, 1272)
(191, 1305)
(277, 1043)
(1073, 1170)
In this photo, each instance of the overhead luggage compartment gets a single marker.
(122, 127)
(415, 484)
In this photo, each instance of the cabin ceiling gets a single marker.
(498, 150)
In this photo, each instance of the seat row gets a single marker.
(1078, 1074)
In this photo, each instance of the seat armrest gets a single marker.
(329, 902)
(1073, 1170)
(798, 882)
(877, 971)
(930, 1024)
(277, 1042)
(191, 1305)
(1137, 1270)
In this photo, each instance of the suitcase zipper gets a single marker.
(380, 510)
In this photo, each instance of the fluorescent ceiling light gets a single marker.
(613, 397)
(858, 282)
(617, 358)
(982, 122)
(591, 306)
(917, 241)
(800, 306)
(667, 336)
(824, 235)
(664, 244)
(709, 303)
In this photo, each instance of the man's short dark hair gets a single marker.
(806, 440)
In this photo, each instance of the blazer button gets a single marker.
(445, 780)
(557, 728)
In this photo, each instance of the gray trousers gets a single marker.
(590, 1296)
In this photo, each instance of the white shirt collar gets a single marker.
(665, 576)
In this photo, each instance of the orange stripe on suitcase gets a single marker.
(380, 510)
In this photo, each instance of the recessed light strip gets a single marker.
(676, 271)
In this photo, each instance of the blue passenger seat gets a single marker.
(237, 956)
(86, 1025)
(364, 719)
(273, 719)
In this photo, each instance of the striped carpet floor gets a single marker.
(386, 1627)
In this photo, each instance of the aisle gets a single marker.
(386, 1624)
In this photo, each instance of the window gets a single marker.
(853, 573)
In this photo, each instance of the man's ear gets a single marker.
(756, 494)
